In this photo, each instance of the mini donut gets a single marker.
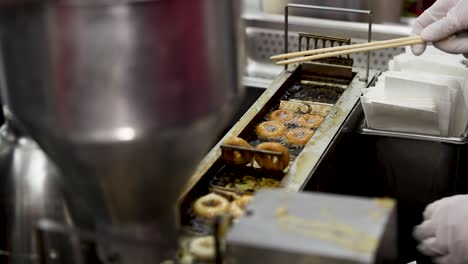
(243, 201)
(310, 121)
(235, 210)
(272, 163)
(282, 115)
(234, 156)
(237, 207)
(210, 205)
(270, 129)
(203, 248)
(299, 136)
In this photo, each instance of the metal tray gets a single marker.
(377, 132)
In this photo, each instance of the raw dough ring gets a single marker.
(299, 136)
(210, 205)
(234, 156)
(203, 248)
(282, 115)
(270, 129)
(310, 121)
(269, 163)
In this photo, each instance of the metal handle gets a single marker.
(332, 9)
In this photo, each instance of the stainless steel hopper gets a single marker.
(125, 97)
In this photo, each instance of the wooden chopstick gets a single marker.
(344, 47)
(375, 46)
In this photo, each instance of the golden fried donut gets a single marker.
(270, 129)
(235, 210)
(203, 247)
(210, 205)
(235, 156)
(272, 163)
(310, 121)
(243, 201)
(299, 136)
(237, 207)
(282, 115)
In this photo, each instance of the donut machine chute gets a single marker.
(326, 92)
(111, 93)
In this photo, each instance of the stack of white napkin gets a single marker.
(427, 94)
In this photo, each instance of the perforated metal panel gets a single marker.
(263, 43)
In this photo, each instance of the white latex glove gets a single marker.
(441, 24)
(443, 234)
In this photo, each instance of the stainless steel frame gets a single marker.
(30, 191)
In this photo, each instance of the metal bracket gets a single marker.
(329, 9)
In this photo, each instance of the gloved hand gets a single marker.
(441, 24)
(443, 234)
